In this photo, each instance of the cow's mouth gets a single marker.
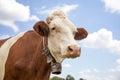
(71, 55)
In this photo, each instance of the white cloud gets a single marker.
(11, 11)
(102, 39)
(85, 71)
(118, 66)
(65, 7)
(95, 77)
(66, 65)
(112, 5)
(9, 24)
(118, 61)
(96, 70)
(95, 74)
(33, 17)
(4, 36)
(90, 71)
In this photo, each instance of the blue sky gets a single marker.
(100, 58)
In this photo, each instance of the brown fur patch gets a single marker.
(81, 34)
(26, 60)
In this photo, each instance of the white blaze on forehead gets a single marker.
(62, 20)
(56, 14)
(4, 51)
(62, 37)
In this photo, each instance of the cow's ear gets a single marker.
(41, 28)
(80, 34)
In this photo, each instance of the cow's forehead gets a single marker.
(64, 23)
(59, 19)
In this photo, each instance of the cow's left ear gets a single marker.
(41, 28)
(81, 34)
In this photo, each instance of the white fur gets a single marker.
(63, 35)
(4, 50)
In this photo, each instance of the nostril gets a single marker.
(70, 48)
(73, 51)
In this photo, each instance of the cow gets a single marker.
(31, 55)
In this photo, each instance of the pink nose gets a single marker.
(73, 51)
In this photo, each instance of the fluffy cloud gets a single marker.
(93, 74)
(65, 7)
(94, 77)
(102, 39)
(4, 36)
(11, 11)
(89, 71)
(112, 5)
(117, 68)
(118, 61)
(66, 65)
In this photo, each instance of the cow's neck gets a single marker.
(50, 58)
(40, 66)
(55, 67)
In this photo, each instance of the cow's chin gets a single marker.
(59, 58)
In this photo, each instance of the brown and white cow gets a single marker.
(23, 56)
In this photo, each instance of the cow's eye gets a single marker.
(53, 28)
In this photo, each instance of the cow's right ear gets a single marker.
(41, 28)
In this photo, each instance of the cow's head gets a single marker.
(62, 35)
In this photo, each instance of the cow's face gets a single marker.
(61, 34)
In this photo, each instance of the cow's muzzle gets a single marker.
(73, 51)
